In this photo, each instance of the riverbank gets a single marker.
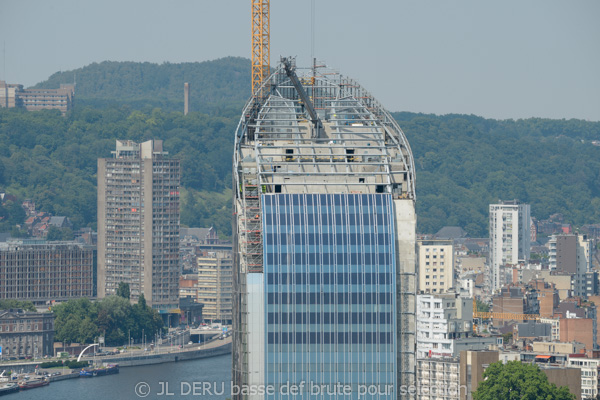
(122, 386)
(158, 356)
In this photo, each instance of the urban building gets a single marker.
(532, 330)
(563, 375)
(466, 285)
(547, 297)
(510, 238)
(188, 286)
(472, 367)
(192, 241)
(441, 319)
(555, 348)
(514, 300)
(590, 285)
(138, 223)
(324, 239)
(215, 285)
(582, 330)
(26, 334)
(561, 281)
(9, 95)
(439, 379)
(474, 363)
(42, 272)
(436, 265)
(555, 327)
(13, 95)
(191, 311)
(572, 254)
(590, 370)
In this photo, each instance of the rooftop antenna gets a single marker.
(312, 29)
(4, 59)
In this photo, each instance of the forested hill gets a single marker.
(463, 162)
(219, 86)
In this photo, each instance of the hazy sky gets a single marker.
(497, 59)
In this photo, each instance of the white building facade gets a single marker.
(510, 238)
(441, 320)
(589, 375)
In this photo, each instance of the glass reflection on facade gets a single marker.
(329, 294)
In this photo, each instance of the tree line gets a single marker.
(114, 317)
(463, 162)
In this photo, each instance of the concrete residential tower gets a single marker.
(324, 241)
(138, 223)
(510, 238)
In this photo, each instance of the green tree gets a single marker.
(123, 290)
(54, 233)
(74, 321)
(17, 304)
(481, 306)
(11, 214)
(517, 381)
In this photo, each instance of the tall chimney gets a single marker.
(186, 98)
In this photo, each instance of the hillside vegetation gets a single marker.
(463, 162)
(53, 160)
(216, 87)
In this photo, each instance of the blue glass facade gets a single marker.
(330, 305)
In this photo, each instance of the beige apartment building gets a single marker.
(138, 223)
(13, 95)
(436, 265)
(215, 285)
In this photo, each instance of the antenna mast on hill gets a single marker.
(261, 43)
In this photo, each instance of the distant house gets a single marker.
(29, 207)
(60, 222)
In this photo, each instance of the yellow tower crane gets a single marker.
(261, 43)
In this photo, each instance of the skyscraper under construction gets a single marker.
(324, 251)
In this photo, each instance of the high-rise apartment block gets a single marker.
(436, 265)
(324, 241)
(572, 254)
(510, 239)
(42, 272)
(215, 285)
(138, 223)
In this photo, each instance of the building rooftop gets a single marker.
(316, 131)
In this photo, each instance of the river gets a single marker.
(206, 378)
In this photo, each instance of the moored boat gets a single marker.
(6, 388)
(35, 383)
(107, 369)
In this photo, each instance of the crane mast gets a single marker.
(261, 46)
